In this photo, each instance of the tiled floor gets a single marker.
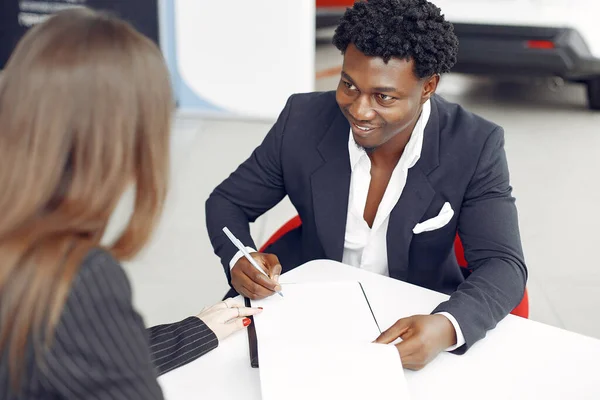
(553, 146)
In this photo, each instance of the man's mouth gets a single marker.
(364, 128)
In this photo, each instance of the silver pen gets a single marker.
(242, 248)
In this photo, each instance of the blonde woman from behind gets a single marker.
(85, 111)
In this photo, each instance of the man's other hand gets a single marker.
(423, 338)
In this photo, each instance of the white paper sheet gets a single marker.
(333, 371)
(315, 343)
(316, 312)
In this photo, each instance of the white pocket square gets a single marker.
(441, 220)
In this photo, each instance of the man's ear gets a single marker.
(429, 87)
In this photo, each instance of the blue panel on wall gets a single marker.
(186, 97)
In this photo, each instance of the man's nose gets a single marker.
(361, 109)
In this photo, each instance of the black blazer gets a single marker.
(101, 349)
(305, 156)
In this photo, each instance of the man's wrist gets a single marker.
(460, 338)
(239, 255)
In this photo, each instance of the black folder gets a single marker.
(252, 342)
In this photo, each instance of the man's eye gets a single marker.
(349, 85)
(385, 97)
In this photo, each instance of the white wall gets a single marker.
(240, 57)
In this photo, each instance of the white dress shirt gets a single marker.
(366, 247)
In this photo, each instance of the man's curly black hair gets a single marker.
(405, 29)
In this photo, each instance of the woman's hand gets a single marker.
(227, 317)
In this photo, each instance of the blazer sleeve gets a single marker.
(173, 345)
(100, 347)
(255, 187)
(488, 227)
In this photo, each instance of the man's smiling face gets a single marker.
(380, 100)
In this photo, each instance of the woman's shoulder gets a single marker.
(100, 278)
(101, 344)
(99, 301)
(99, 265)
(98, 257)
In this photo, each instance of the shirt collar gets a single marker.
(412, 151)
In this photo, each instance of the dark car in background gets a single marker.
(537, 38)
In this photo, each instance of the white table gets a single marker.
(520, 359)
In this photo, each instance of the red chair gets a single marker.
(522, 310)
(288, 226)
(334, 3)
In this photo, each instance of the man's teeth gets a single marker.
(363, 129)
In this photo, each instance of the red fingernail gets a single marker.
(260, 308)
(246, 321)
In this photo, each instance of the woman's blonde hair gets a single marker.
(85, 110)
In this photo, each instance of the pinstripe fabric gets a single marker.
(101, 349)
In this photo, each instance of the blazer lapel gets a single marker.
(415, 199)
(330, 184)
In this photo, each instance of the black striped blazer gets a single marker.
(101, 349)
